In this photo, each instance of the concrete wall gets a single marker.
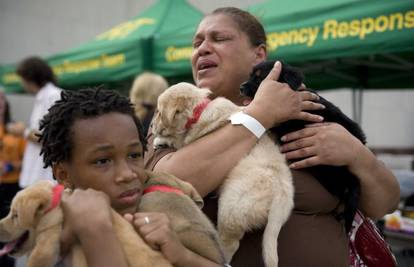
(387, 115)
(45, 27)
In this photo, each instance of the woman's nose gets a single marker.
(204, 48)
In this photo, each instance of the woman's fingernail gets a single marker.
(320, 118)
(292, 166)
(283, 138)
(322, 106)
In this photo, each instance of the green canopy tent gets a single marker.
(357, 44)
(158, 39)
(368, 43)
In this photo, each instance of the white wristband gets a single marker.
(249, 122)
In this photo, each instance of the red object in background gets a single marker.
(367, 246)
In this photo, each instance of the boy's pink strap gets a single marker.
(162, 188)
(57, 195)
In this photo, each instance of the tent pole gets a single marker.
(357, 97)
(147, 53)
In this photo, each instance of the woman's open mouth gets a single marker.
(14, 246)
(204, 66)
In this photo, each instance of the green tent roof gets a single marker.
(338, 43)
(356, 43)
(158, 39)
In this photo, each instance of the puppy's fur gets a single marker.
(37, 233)
(194, 229)
(258, 190)
(337, 180)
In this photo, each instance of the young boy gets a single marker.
(94, 143)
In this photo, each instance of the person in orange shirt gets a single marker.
(11, 154)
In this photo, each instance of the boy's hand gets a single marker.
(86, 212)
(156, 230)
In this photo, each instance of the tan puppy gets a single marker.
(258, 190)
(30, 228)
(178, 199)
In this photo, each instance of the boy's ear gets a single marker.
(60, 172)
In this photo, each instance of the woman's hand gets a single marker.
(321, 143)
(156, 230)
(276, 102)
(332, 144)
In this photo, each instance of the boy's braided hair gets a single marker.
(55, 127)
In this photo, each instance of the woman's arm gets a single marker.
(205, 162)
(160, 236)
(380, 191)
(332, 144)
(88, 219)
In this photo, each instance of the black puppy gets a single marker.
(337, 180)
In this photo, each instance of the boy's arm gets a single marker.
(87, 216)
(159, 235)
(102, 247)
(190, 259)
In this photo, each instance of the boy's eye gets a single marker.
(135, 155)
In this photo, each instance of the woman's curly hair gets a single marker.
(55, 127)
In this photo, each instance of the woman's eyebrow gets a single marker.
(197, 37)
(211, 32)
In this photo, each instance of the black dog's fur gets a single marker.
(337, 180)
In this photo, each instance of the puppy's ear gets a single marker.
(186, 187)
(168, 117)
(196, 197)
(190, 191)
(178, 106)
(32, 206)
